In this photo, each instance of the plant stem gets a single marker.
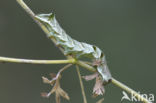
(64, 68)
(16, 60)
(129, 90)
(86, 66)
(32, 14)
(81, 84)
(116, 83)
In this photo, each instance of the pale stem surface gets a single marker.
(81, 84)
(30, 61)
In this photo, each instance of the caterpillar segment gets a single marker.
(73, 47)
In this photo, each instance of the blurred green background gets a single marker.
(124, 29)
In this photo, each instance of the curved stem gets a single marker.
(129, 90)
(32, 14)
(30, 61)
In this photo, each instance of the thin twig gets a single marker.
(64, 68)
(32, 14)
(116, 83)
(86, 66)
(129, 90)
(81, 84)
(100, 101)
(16, 60)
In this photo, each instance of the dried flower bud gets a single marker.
(90, 77)
(46, 80)
(98, 88)
(55, 82)
(44, 95)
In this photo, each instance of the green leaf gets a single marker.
(71, 46)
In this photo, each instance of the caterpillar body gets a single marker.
(73, 47)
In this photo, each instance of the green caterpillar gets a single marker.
(73, 47)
